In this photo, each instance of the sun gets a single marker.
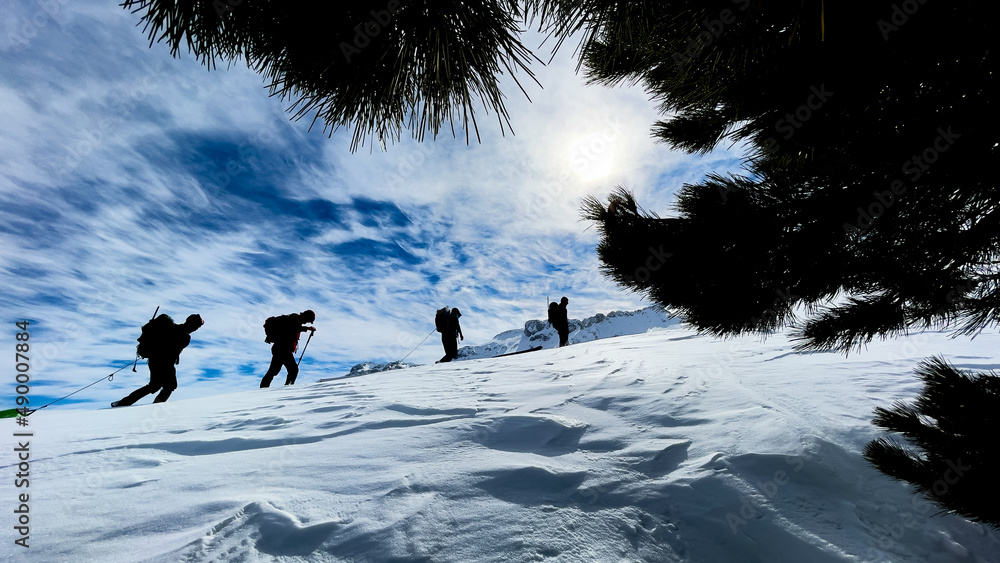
(592, 157)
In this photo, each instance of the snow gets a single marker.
(540, 333)
(660, 446)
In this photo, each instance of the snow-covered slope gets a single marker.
(663, 446)
(367, 368)
(540, 332)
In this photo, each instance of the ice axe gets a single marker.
(311, 332)
(137, 353)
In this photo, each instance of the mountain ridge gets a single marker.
(537, 332)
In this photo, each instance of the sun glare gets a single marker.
(592, 157)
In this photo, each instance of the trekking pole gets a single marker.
(137, 353)
(311, 332)
(109, 377)
(417, 346)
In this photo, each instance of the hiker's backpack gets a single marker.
(274, 327)
(270, 329)
(441, 319)
(156, 337)
(552, 313)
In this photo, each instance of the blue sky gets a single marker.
(132, 180)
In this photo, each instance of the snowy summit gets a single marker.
(662, 446)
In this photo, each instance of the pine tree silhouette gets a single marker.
(953, 423)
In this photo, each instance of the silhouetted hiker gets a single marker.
(451, 331)
(161, 343)
(560, 319)
(283, 334)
